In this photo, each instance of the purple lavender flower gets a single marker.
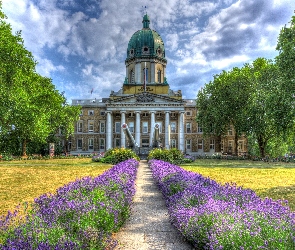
(214, 216)
(82, 214)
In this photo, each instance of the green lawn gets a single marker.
(25, 180)
(22, 181)
(274, 180)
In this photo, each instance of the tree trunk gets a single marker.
(236, 144)
(262, 145)
(24, 148)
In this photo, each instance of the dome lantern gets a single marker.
(146, 21)
(145, 61)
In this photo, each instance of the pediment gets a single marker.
(146, 97)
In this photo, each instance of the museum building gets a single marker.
(145, 100)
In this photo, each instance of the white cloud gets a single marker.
(90, 40)
(172, 42)
(229, 62)
(45, 67)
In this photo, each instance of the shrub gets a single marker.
(98, 157)
(116, 155)
(188, 159)
(173, 155)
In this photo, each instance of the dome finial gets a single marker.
(146, 20)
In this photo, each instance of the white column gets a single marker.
(152, 72)
(167, 127)
(109, 128)
(152, 126)
(181, 131)
(123, 120)
(137, 128)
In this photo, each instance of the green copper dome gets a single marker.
(145, 43)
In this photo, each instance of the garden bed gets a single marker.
(214, 216)
(82, 215)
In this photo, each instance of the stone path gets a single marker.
(148, 226)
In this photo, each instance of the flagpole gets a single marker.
(144, 76)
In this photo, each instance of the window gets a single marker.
(212, 144)
(118, 127)
(173, 127)
(159, 51)
(90, 144)
(145, 50)
(230, 146)
(81, 112)
(101, 144)
(90, 112)
(102, 127)
(188, 144)
(131, 77)
(230, 130)
(79, 144)
(188, 127)
(90, 126)
(159, 73)
(173, 143)
(80, 126)
(200, 129)
(173, 114)
(131, 127)
(200, 144)
(145, 114)
(159, 114)
(145, 129)
(241, 146)
(117, 143)
(188, 113)
(131, 114)
(102, 113)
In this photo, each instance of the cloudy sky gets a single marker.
(81, 44)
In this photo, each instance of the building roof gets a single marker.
(145, 43)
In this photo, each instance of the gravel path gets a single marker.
(148, 226)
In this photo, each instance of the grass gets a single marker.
(274, 180)
(22, 181)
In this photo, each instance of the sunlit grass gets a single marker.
(22, 181)
(274, 180)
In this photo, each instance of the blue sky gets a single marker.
(81, 44)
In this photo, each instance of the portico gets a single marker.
(157, 110)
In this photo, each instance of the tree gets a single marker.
(266, 105)
(286, 61)
(249, 99)
(221, 104)
(30, 107)
(15, 64)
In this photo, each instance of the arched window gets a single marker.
(159, 73)
(131, 76)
